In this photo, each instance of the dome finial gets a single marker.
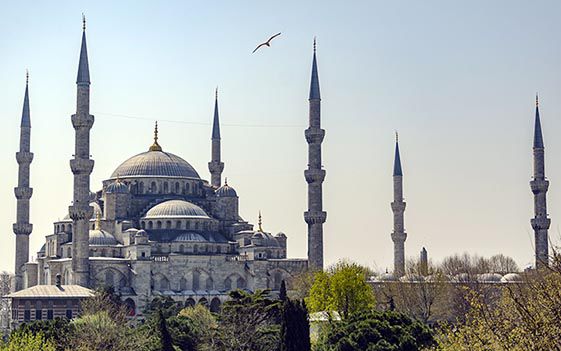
(260, 222)
(155, 146)
(26, 77)
(97, 220)
(83, 22)
(537, 100)
(396, 137)
(225, 181)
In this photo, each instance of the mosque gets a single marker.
(156, 227)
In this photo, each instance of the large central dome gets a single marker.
(155, 163)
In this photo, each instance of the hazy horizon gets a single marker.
(457, 80)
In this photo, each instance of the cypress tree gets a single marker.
(295, 327)
(165, 336)
(282, 295)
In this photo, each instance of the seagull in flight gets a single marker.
(267, 43)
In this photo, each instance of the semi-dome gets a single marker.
(155, 163)
(176, 209)
(189, 236)
(101, 237)
(226, 191)
(117, 187)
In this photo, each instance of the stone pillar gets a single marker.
(315, 216)
(23, 192)
(81, 166)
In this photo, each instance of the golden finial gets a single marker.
(396, 137)
(216, 93)
(155, 146)
(260, 222)
(26, 76)
(225, 181)
(97, 220)
(314, 44)
(83, 22)
(537, 100)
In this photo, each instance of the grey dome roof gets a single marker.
(511, 278)
(117, 187)
(189, 236)
(155, 163)
(489, 277)
(176, 209)
(386, 277)
(101, 237)
(226, 191)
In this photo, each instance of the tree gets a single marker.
(203, 326)
(165, 304)
(165, 337)
(58, 330)
(28, 341)
(282, 293)
(373, 331)
(342, 288)
(248, 322)
(295, 327)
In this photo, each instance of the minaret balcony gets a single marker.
(81, 166)
(539, 185)
(398, 206)
(399, 236)
(215, 167)
(540, 223)
(23, 157)
(23, 192)
(314, 135)
(22, 228)
(82, 121)
(314, 175)
(80, 213)
(315, 217)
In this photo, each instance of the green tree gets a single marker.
(295, 327)
(203, 326)
(58, 330)
(166, 340)
(28, 341)
(248, 322)
(342, 288)
(375, 331)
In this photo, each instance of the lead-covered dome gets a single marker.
(155, 163)
(176, 209)
(100, 237)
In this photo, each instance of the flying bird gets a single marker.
(267, 43)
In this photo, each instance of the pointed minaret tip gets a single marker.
(25, 115)
(260, 222)
(538, 137)
(216, 120)
(397, 171)
(83, 66)
(314, 83)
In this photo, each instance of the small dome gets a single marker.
(155, 163)
(511, 278)
(101, 237)
(141, 232)
(462, 278)
(117, 187)
(280, 235)
(489, 277)
(409, 278)
(176, 209)
(226, 191)
(189, 236)
(257, 235)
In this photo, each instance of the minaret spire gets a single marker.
(23, 192)
(398, 207)
(539, 185)
(315, 216)
(215, 166)
(81, 166)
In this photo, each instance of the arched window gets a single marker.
(164, 284)
(195, 248)
(153, 188)
(196, 225)
(215, 305)
(63, 228)
(131, 307)
(177, 190)
(159, 224)
(143, 225)
(196, 280)
(141, 188)
(69, 252)
(70, 228)
(187, 188)
(209, 284)
(240, 283)
(178, 225)
(168, 224)
(182, 248)
(166, 187)
(227, 284)
(183, 284)
(109, 278)
(150, 225)
(190, 302)
(203, 301)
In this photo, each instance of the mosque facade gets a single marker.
(156, 227)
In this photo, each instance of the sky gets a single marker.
(456, 79)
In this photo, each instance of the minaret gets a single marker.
(22, 228)
(315, 216)
(424, 263)
(81, 166)
(539, 186)
(215, 166)
(398, 207)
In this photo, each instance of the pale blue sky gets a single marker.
(457, 79)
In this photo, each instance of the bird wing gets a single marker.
(258, 46)
(274, 36)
